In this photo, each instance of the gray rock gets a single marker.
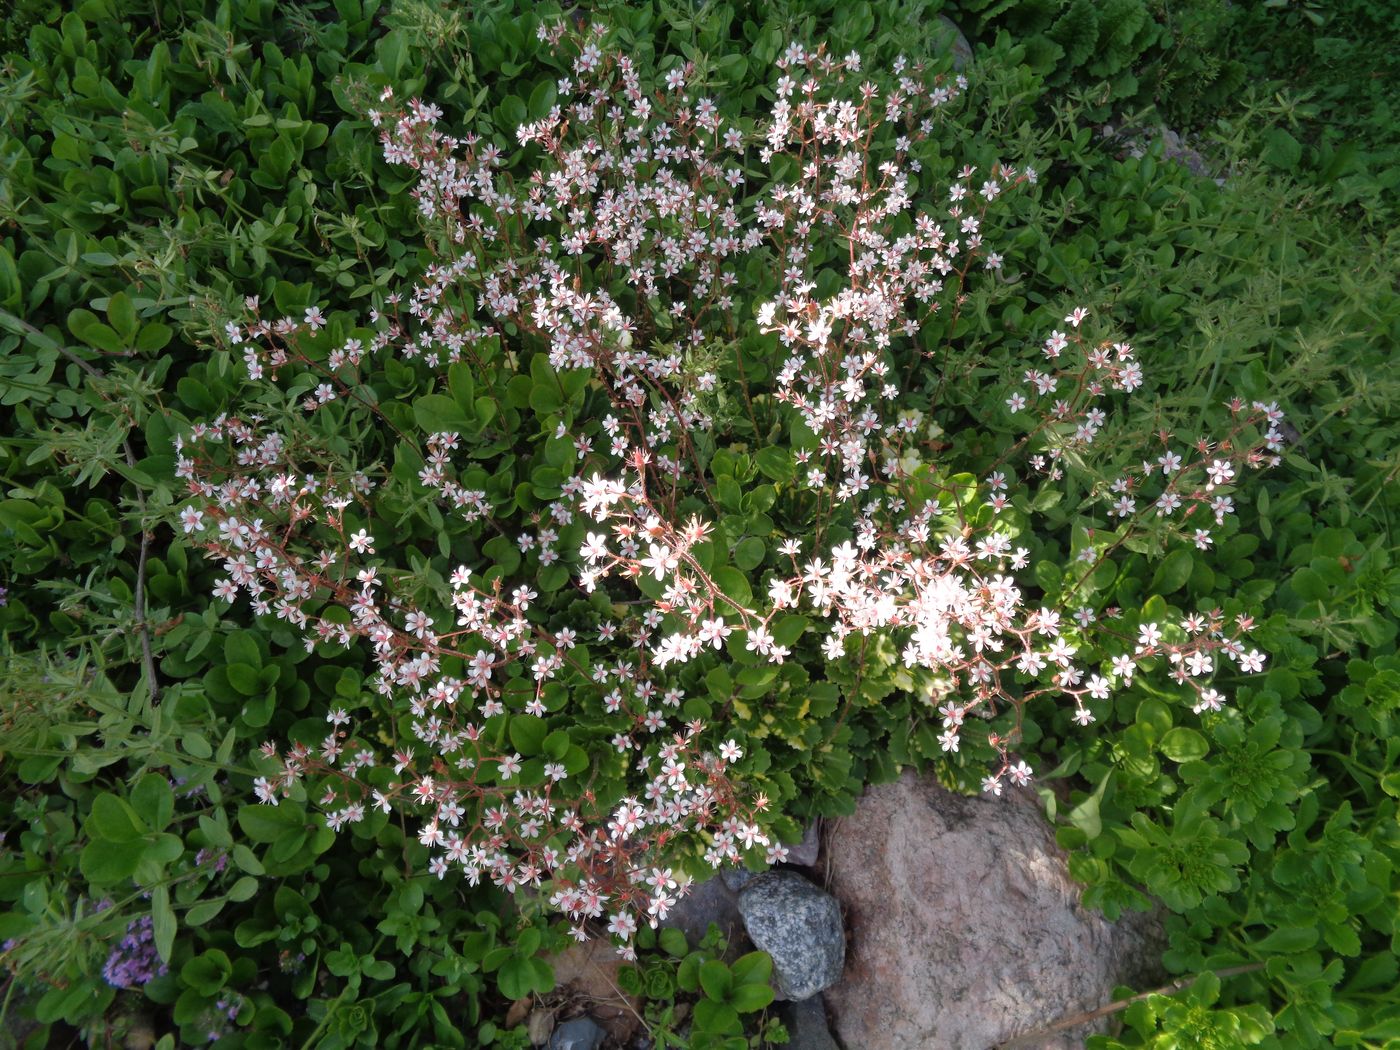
(736, 878)
(579, 1034)
(799, 925)
(806, 1025)
(966, 928)
(711, 901)
(951, 36)
(1135, 142)
(804, 854)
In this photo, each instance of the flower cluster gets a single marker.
(134, 961)
(608, 293)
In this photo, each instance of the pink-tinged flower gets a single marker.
(1076, 316)
(992, 784)
(315, 320)
(1252, 661)
(714, 632)
(1221, 471)
(595, 547)
(1020, 774)
(1210, 701)
(730, 751)
(362, 542)
(660, 560)
(622, 924)
(192, 519)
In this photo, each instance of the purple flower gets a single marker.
(134, 961)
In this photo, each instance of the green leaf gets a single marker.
(463, 387)
(163, 849)
(103, 863)
(243, 889)
(1174, 571)
(556, 745)
(673, 942)
(513, 112)
(716, 1018)
(153, 336)
(122, 315)
(1085, 816)
(438, 413)
(776, 462)
(1282, 150)
(789, 628)
(716, 979)
(207, 972)
(543, 976)
(748, 554)
(112, 819)
(244, 678)
(196, 396)
(246, 860)
(750, 997)
(516, 978)
(542, 99)
(527, 734)
(162, 922)
(241, 648)
(1184, 744)
(1287, 940)
(270, 823)
(202, 912)
(153, 801)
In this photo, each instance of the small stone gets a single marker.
(736, 878)
(711, 901)
(804, 854)
(519, 1010)
(800, 927)
(579, 1034)
(953, 37)
(540, 1026)
(806, 1025)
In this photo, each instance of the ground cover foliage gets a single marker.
(161, 162)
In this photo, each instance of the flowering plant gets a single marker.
(671, 397)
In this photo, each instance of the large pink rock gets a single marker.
(965, 927)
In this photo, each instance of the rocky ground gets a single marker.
(926, 919)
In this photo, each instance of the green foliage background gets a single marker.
(161, 160)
